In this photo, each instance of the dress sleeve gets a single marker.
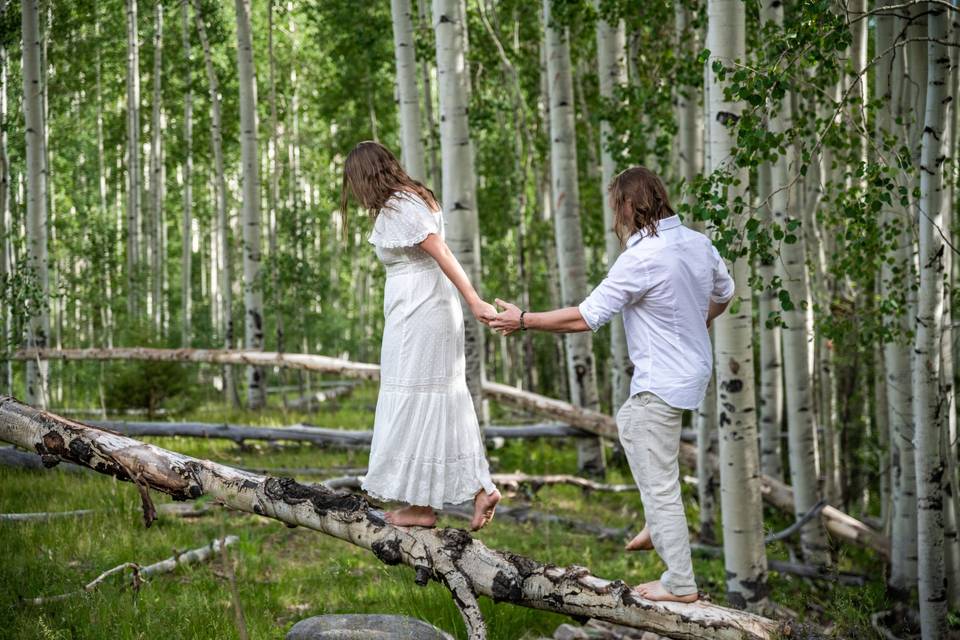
(406, 221)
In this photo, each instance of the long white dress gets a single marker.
(427, 447)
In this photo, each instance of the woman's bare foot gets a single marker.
(484, 506)
(641, 542)
(411, 516)
(658, 593)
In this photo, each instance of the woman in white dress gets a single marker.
(427, 448)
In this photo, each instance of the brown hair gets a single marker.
(372, 175)
(639, 200)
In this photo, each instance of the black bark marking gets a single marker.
(733, 386)
(81, 450)
(387, 551)
(455, 542)
(726, 118)
(506, 588)
(322, 500)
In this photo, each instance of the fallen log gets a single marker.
(775, 492)
(194, 556)
(177, 509)
(450, 556)
(305, 433)
(510, 481)
(319, 397)
(793, 568)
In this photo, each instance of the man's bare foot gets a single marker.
(484, 506)
(641, 542)
(658, 593)
(411, 516)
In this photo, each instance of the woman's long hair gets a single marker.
(372, 175)
(639, 200)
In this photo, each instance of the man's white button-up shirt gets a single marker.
(663, 285)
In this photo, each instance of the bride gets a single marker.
(427, 448)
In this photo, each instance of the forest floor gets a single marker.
(284, 575)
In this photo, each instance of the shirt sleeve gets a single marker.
(723, 284)
(405, 222)
(627, 281)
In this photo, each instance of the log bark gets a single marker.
(450, 556)
(775, 492)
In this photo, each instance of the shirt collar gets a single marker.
(663, 224)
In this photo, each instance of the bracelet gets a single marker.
(522, 326)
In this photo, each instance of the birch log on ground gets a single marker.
(775, 492)
(449, 556)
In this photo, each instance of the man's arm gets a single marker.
(716, 308)
(566, 320)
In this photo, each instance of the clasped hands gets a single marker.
(503, 322)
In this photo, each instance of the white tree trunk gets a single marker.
(39, 324)
(6, 267)
(581, 369)
(133, 161)
(791, 267)
(771, 357)
(408, 97)
(740, 497)
(449, 556)
(459, 178)
(896, 353)
(611, 53)
(929, 404)
(156, 258)
(707, 480)
(186, 232)
(252, 287)
(222, 240)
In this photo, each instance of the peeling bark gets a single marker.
(449, 556)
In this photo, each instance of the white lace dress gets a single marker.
(427, 448)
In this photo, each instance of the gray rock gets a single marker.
(364, 627)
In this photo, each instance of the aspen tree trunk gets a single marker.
(611, 53)
(408, 97)
(39, 323)
(222, 241)
(771, 357)
(896, 353)
(6, 231)
(744, 554)
(707, 480)
(459, 178)
(105, 275)
(791, 267)
(426, 72)
(274, 192)
(929, 403)
(252, 289)
(581, 369)
(133, 161)
(186, 264)
(156, 176)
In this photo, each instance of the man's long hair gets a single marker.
(372, 175)
(639, 200)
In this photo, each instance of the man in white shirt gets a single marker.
(669, 283)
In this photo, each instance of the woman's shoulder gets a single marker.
(409, 200)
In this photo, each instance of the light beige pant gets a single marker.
(650, 434)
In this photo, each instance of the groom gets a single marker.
(669, 283)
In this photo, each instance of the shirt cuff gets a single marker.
(723, 299)
(589, 316)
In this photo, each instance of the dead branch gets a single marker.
(139, 574)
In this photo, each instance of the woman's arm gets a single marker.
(567, 320)
(439, 251)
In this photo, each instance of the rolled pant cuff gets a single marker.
(683, 590)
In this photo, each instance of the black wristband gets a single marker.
(522, 326)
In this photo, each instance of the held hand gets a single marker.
(508, 320)
(483, 311)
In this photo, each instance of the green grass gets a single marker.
(285, 575)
